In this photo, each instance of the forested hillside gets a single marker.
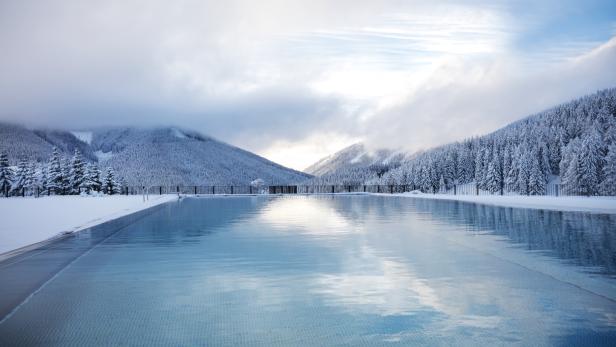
(354, 164)
(140, 156)
(574, 143)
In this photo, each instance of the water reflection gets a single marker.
(585, 239)
(344, 270)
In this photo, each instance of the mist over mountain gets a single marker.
(149, 156)
(355, 164)
(573, 144)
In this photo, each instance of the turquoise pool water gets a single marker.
(319, 271)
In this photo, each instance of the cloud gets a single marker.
(276, 75)
(463, 98)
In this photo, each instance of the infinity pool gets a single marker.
(320, 271)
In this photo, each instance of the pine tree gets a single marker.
(30, 182)
(590, 164)
(66, 176)
(6, 174)
(442, 187)
(77, 173)
(523, 170)
(479, 177)
(110, 185)
(55, 179)
(571, 178)
(536, 178)
(608, 186)
(494, 176)
(92, 180)
(21, 177)
(43, 180)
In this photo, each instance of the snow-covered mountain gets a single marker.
(355, 164)
(573, 143)
(152, 156)
(19, 142)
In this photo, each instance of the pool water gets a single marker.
(349, 270)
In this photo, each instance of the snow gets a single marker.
(83, 136)
(595, 204)
(178, 133)
(103, 156)
(26, 221)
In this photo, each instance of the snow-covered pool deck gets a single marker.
(27, 221)
(595, 204)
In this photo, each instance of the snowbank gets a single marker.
(24, 221)
(596, 204)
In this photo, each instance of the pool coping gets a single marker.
(24, 255)
(65, 234)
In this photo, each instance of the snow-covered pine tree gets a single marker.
(6, 175)
(511, 176)
(536, 178)
(42, 178)
(31, 183)
(479, 177)
(590, 161)
(55, 179)
(507, 162)
(110, 185)
(465, 165)
(442, 187)
(494, 175)
(77, 173)
(92, 181)
(608, 186)
(66, 175)
(21, 177)
(554, 152)
(523, 170)
(571, 176)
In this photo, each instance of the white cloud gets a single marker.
(463, 97)
(272, 75)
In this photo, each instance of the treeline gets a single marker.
(59, 176)
(573, 144)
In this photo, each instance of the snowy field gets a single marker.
(30, 220)
(596, 204)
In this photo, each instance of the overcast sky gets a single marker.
(297, 80)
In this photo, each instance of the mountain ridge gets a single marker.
(163, 155)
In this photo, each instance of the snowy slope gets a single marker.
(152, 156)
(19, 142)
(170, 156)
(63, 214)
(355, 162)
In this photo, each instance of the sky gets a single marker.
(298, 80)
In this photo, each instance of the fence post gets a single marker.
(332, 189)
(213, 190)
(391, 189)
(160, 190)
(23, 192)
(231, 189)
(476, 189)
(250, 189)
(378, 188)
(455, 189)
